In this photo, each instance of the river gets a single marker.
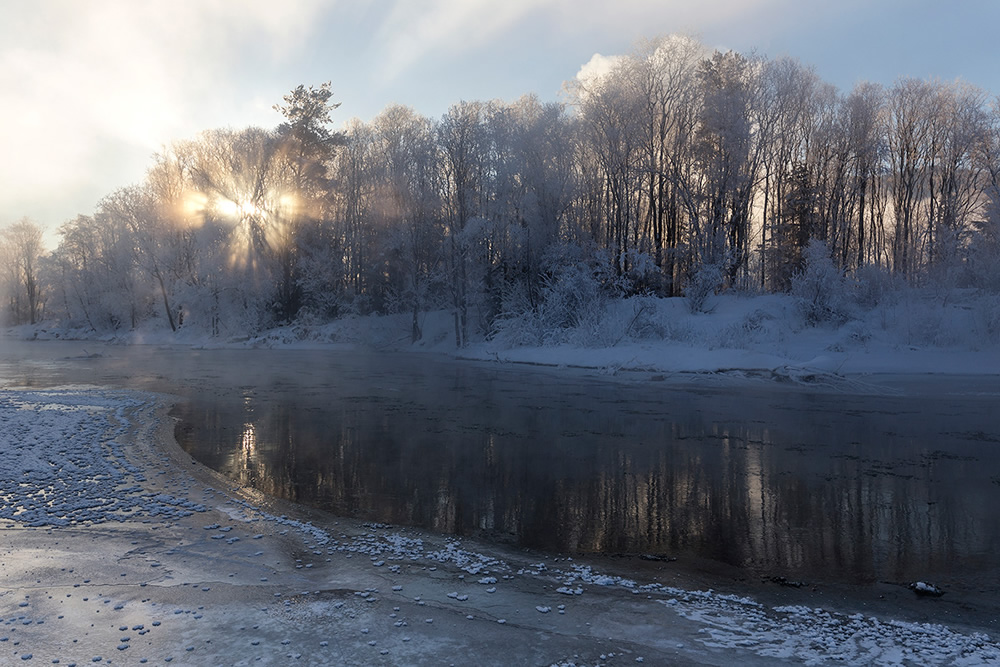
(898, 484)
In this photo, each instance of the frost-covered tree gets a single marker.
(405, 164)
(462, 140)
(728, 154)
(20, 252)
(611, 112)
(911, 108)
(664, 71)
(306, 145)
(956, 175)
(99, 284)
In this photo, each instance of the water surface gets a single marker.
(777, 480)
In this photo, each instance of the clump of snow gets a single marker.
(586, 574)
(248, 513)
(469, 561)
(923, 588)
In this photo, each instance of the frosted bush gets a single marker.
(570, 298)
(752, 329)
(647, 322)
(571, 305)
(518, 324)
(634, 319)
(643, 275)
(986, 320)
(874, 286)
(704, 282)
(922, 320)
(983, 265)
(820, 289)
(604, 329)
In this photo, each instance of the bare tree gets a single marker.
(911, 109)
(955, 179)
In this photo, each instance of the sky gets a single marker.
(90, 90)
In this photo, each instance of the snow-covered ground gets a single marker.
(117, 548)
(910, 331)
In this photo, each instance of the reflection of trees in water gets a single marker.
(737, 493)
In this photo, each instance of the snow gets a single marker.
(816, 636)
(761, 336)
(765, 335)
(64, 463)
(75, 460)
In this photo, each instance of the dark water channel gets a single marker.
(777, 480)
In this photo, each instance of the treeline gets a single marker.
(674, 169)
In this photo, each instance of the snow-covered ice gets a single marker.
(65, 465)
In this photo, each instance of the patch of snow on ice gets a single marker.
(64, 462)
(816, 636)
(471, 562)
(806, 635)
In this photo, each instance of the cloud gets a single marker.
(100, 85)
(412, 31)
(632, 18)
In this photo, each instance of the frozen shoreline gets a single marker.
(762, 337)
(169, 560)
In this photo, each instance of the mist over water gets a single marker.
(775, 480)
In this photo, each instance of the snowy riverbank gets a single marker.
(117, 546)
(914, 332)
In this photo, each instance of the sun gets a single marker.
(228, 208)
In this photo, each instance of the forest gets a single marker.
(677, 172)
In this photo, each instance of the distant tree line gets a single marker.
(677, 167)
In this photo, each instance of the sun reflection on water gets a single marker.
(248, 442)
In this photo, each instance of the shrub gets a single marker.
(570, 306)
(820, 289)
(703, 283)
(874, 286)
